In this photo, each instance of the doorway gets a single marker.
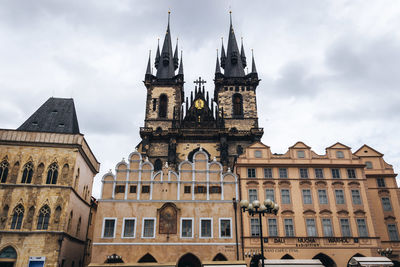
(189, 260)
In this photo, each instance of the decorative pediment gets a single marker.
(284, 182)
(258, 145)
(269, 183)
(287, 212)
(325, 212)
(367, 151)
(359, 212)
(320, 183)
(354, 183)
(252, 183)
(305, 182)
(300, 144)
(390, 218)
(338, 183)
(383, 192)
(309, 212)
(343, 212)
(339, 145)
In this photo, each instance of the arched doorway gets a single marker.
(189, 260)
(287, 257)
(8, 257)
(255, 260)
(220, 257)
(355, 255)
(147, 258)
(325, 259)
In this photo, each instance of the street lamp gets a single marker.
(268, 207)
(385, 252)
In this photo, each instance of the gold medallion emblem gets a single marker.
(199, 104)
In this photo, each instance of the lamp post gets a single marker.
(385, 252)
(256, 208)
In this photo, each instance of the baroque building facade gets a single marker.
(332, 207)
(46, 172)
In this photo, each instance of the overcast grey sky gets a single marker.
(329, 69)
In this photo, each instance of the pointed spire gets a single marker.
(243, 56)
(181, 64)
(233, 65)
(223, 56)
(176, 59)
(253, 63)
(148, 70)
(166, 68)
(217, 68)
(157, 60)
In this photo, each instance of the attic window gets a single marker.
(54, 111)
(34, 123)
(61, 125)
(300, 154)
(339, 154)
(257, 154)
(365, 151)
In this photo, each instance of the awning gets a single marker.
(292, 262)
(224, 264)
(370, 261)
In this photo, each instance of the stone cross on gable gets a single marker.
(199, 82)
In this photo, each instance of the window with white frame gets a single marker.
(303, 173)
(267, 173)
(345, 226)
(392, 231)
(307, 196)
(327, 227)
(335, 173)
(270, 194)
(253, 195)
(362, 228)
(351, 173)
(225, 228)
(311, 229)
(205, 227)
(285, 194)
(289, 228)
(339, 196)
(323, 198)
(129, 226)
(355, 195)
(272, 227)
(386, 204)
(148, 227)
(255, 226)
(187, 227)
(319, 173)
(109, 227)
(283, 173)
(251, 173)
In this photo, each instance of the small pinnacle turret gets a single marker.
(243, 56)
(180, 72)
(217, 66)
(253, 63)
(148, 69)
(176, 59)
(223, 56)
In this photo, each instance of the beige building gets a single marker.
(46, 172)
(332, 206)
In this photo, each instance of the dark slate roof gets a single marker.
(56, 115)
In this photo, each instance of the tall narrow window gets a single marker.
(272, 227)
(285, 194)
(78, 227)
(148, 228)
(380, 182)
(162, 112)
(270, 194)
(27, 173)
(307, 196)
(157, 165)
(289, 228)
(303, 173)
(225, 228)
(187, 228)
(129, 228)
(109, 228)
(386, 204)
(253, 195)
(52, 174)
(392, 231)
(44, 217)
(205, 228)
(283, 173)
(319, 173)
(18, 215)
(351, 173)
(267, 173)
(255, 227)
(327, 227)
(323, 198)
(339, 196)
(237, 105)
(251, 173)
(362, 228)
(345, 225)
(355, 195)
(335, 173)
(3, 171)
(311, 230)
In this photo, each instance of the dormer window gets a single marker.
(257, 154)
(339, 154)
(300, 154)
(368, 164)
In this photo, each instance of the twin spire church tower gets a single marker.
(222, 124)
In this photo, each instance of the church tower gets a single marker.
(235, 91)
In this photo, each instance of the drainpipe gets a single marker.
(236, 232)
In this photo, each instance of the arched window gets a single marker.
(237, 105)
(3, 171)
(44, 217)
(18, 215)
(147, 258)
(157, 165)
(8, 253)
(70, 221)
(52, 174)
(162, 111)
(27, 173)
(78, 227)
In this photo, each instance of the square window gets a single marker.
(148, 228)
(339, 154)
(323, 198)
(257, 154)
(300, 154)
(285, 194)
(380, 182)
(335, 173)
(303, 173)
(267, 173)
(186, 228)
(307, 196)
(270, 194)
(392, 231)
(109, 228)
(351, 173)
(129, 228)
(387, 206)
(120, 189)
(339, 196)
(205, 228)
(368, 164)
(283, 173)
(289, 228)
(146, 189)
(132, 189)
(215, 189)
(251, 173)
(225, 228)
(355, 195)
(319, 173)
(200, 189)
(272, 227)
(187, 189)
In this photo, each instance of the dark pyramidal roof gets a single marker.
(56, 115)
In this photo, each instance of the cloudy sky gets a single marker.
(330, 70)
